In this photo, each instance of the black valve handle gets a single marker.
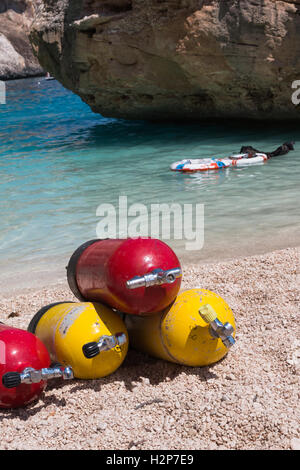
(11, 379)
(90, 350)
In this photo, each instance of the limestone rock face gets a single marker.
(174, 59)
(16, 56)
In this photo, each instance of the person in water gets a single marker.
(282, 150)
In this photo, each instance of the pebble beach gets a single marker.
(99, 101)
(248, 400)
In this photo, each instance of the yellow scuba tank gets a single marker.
(196, 330)
(89, 337)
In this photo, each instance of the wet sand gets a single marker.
(249, 400)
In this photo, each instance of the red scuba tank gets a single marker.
(24, 367)
(138, 276)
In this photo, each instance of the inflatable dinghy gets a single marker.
(204, 164)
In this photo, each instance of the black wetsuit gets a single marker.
(282, 150)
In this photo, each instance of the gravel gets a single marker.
(249, 400)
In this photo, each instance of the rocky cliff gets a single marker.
(162, 59)
(16, 56)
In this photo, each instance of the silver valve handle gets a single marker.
(105, 343)
(33, 376)
(218, 329)
(157, 277)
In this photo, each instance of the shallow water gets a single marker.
(59, 162)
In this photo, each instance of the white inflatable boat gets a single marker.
(204, 164)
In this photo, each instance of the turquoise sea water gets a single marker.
(59, 162)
